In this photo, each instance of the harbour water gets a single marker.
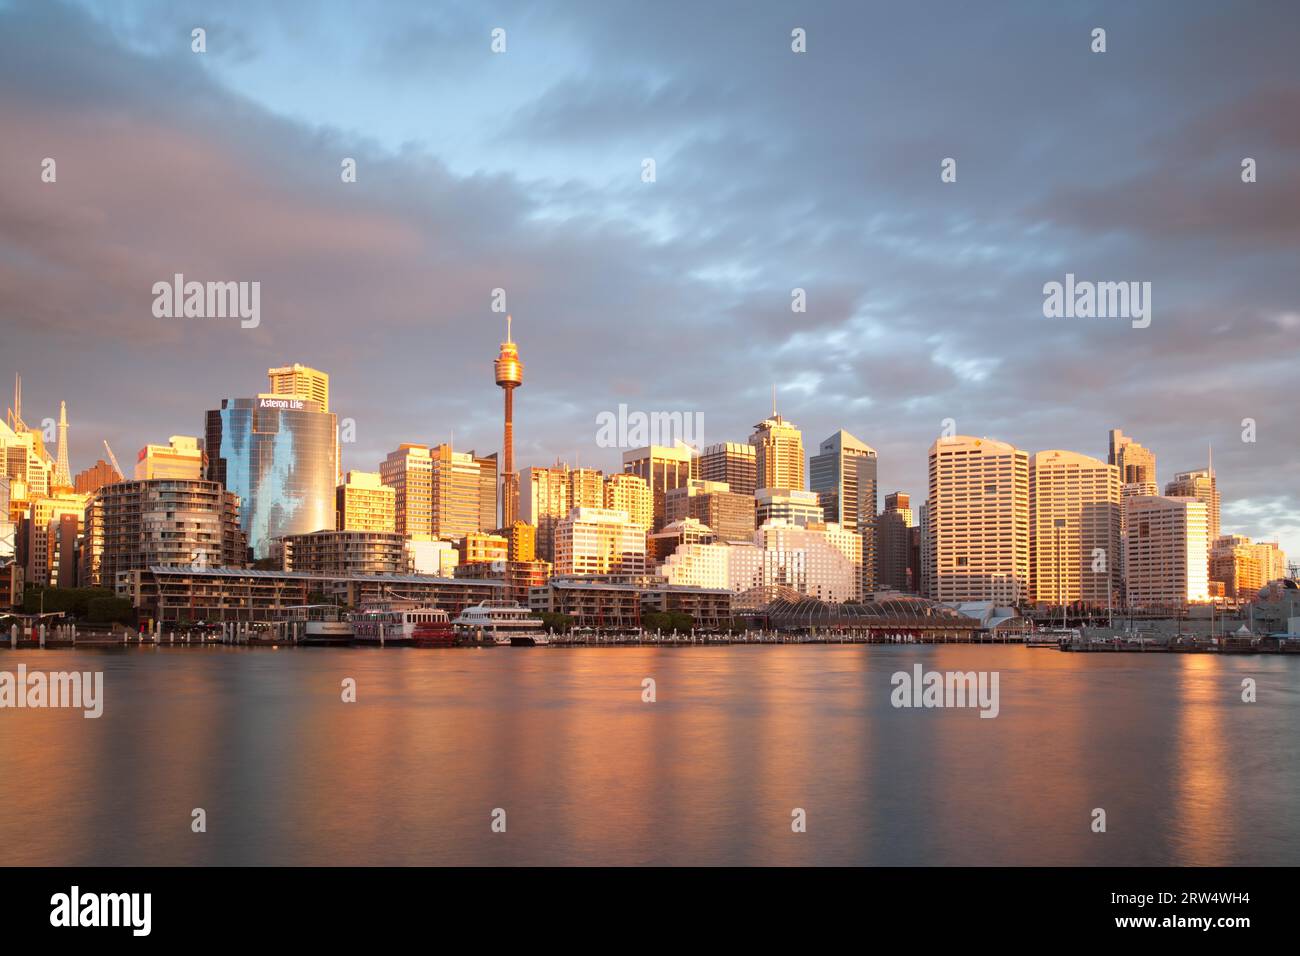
(587, 772)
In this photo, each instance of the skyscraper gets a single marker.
(843, 474)
(545, 499)
(408, 470)
(1074, 503)
(1202, 486)
(300, 381)
(893, 544)
(1166, 552)
(663, 469)
(778, 454)
(978, 520)
(1137, 465)
(509, 371)
(278, 455)
(730, 462)
(364, 503)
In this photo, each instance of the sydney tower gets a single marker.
(510, 375)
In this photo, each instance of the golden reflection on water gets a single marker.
(709, 773)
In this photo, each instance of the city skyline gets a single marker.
(923, 303)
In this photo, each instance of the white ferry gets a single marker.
(501, 623)
(319, 624)
(397, 625)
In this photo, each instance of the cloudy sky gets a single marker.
(522, 170)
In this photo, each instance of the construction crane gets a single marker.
(121, 475)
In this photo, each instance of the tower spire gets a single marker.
(774, 399)
(62, 473)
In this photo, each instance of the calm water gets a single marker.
(709, 774)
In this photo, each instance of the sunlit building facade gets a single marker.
(1166, 555)
(1074, 529)
(733, 463)
(778, 455)
(364, 503)
(278, 455)
(599, 541)
(662, 468)
(978, 521)
(181, 457)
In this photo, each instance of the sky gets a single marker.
(522, 170)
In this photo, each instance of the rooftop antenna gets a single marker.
(774, 400)
(508, 322)
(1210, 445)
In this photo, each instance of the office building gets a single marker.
(1074, 529)
(1166, 555)
(630, 493)
(545, 496)
(893, 539)
(663, 469)
(1137, 465)
(732, 463)
(843, 474)
(978, 521)
(780, 504)
(408, 470)
(300, 381)
(181, 457)
(1202, 486)
(599, 541)
(278, 455)
(778, 455)
(732, 516)
(364, 503)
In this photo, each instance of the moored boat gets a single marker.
(500, 623)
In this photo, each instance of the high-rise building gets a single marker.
(1236, 565)
(778, 454)
(730, 515)
(925, 553)
(1202, 486)
(733, 463)
(1166, 559)
(599, 541)
(523, 543)
(302, 382)
(364, 503)
(1074, 529)
(489, 490)
(172, 522)
(663, 469)
(278, 455)
(544, 501)
(894, 567)
(1137, 465)
(843, 474)
(457, 490)
(408, 470)
(630, 493)
(48, 542)
(978, 521)
(98, 475)
(780, 504)
(587, 488)
(181, 457)
(509, 372)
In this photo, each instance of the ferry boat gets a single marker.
(437, 631)
(395, 624)
(1053, 637)
(501, 623)
(320, 625)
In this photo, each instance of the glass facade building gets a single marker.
(278, 455)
